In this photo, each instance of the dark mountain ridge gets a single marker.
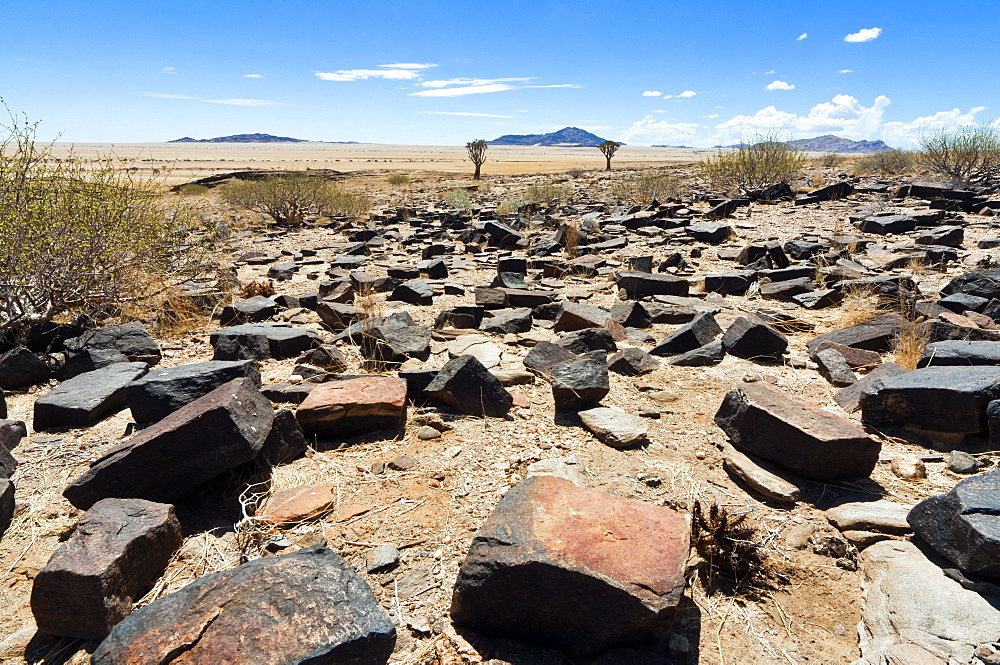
(571, 137)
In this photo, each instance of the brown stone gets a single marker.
(574, 569)
(119, 548)
(298, 504)
(908, 467)
(353, 406)
(352, 510)
(855, 357)
(195, 443)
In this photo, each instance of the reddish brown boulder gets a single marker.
(353, 406)
(565, 567)
(119, 548)
(305, 607)
(212, 434)
(297, 504)
(799, 436)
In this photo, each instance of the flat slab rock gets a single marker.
(86, 398)
(796, 435)
(164, 390)
(761, 476)
(877, 516)
(304, 607)
(119, 548)
(573, 569)
(212, 434)
(615, 427)
(912, 609)
(353, 406)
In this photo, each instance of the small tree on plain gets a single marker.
(753, 166)
(968, 155)
(609, 148)
(289, 199)
(477, 153)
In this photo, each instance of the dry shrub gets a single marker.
(908, 347)
(544, 192)
(571, 240)
(647, 186)
(289, 199)
(730, 545)
(261, 287)
(458, 197)
(829, 160)
(965, 155)
(398, 179)
(886, 162)
(748, 168)
(511, 205)
(174, 312)
(860, 304)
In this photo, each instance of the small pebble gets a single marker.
(908, 467)
(426, 433)
(962, 462)
(402, 463)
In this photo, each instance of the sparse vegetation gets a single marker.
(908, 346)
(260, 287)
(752, 167)
(609, 148)
(543, 192)
(477, 153)
(458, 197)
(192, 189)
(830, 160)
(648, 186)
(289, 199)
(965, 155)
(398, 179)
(733, 557)
(76, 238)
(886, 162)
(511, 205)
(571, 240)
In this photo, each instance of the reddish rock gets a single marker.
(305, 607)
(353, 406)
(298, 504)
(855, 357)
(212, 434)
(799, 436)
(565, 567)
(908, 467)
(119, 548)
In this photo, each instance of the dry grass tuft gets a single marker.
(734, 559)
(909, 344)
(571, 244)
(860, 304)
(257, 288)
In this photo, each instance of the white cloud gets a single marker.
(253, 76)
(409, 65)
(714, 115)
(467, 113)
(687, 93)
(468, 90)
(668, 96)
(770, 72)
(864, 35)
(844, 116)
(166, 95)
(444, 83)
(360, 74)
(244, 102)
(802, 36)
(556, 85)
(845, 71)
(649, 131)
(652, 93)
(169, 70)
(779, 85)
(909, 133)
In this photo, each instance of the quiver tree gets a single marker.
(477, 153)
(609, 148)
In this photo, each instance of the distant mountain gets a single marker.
(829, 143)
(570, 137)
(243, 138)
(670, 146)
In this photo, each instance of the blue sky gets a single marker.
(443, 73)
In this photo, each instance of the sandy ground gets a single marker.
(181, 162)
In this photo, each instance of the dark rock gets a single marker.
(785, 290)
(490, 298)
(704, 356)
(131, 339)
(887, 224)
(87, 398)
(960, 352)
(575, 316)
(467, 386)
(509, 280)
(963, 302)
(545, 357)
(981, 283)
(282, 341)
(960, 461)
(463, 317)
(580, 383)
(588, 339)
(396, 344)
(631, 314)
(849, 398)
(353, 406)
(795, 434)
(325, 356)
(855, 357)
(305, 607)
(6, 505)
(632, 361)
(20, 368)
(119, 548)
(730, 283)
(285, 442)
(710, 232)
(673, 314)
(834, 192)
(48, 336)
(89, 360)
(639, 284)
(212, 434)
(527, 298)
(721, 210)
(750, 338)
(964, 524)
(251, 310)
(933, 399)
(163, 391)
(11, 433)
(877, 334)
(337, 316)
(417, 381)
(434, 269)
(507, 321)
(950, 236)
(415, 292)
(802, 250)
(530, 569)
(696, 334)
(834, 367)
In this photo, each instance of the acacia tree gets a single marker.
(609, 148)
(477, 153)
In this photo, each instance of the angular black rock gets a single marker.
(750, 338)
(131, 339)
(581, 383)
(86, 398)
(20, 368)
(702, 330)
(466, 385)
(163, 391)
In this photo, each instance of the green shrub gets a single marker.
(967, 155)
(749, 168)
(458, 197)
(289, 199)
(511, 205)
(76, 238)
(544, 192)
(647, 186)
(398, 179)
(192, 189)
(886, 162)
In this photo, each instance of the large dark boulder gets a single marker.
(876, 334)
(212, 434)
(982, 283)
(702, 330)
(960, 352)
(569, 568)
(395, 345)
(20, 368)
(163, 391)
(89, 360)
(639, 284)
(279, 340)
(467, 386)
(86, 398)
(580, 383)
(797, 435)
(964, 524)
(749, 337)
(131, 339)
(250, 310)
(119, 548)
(308, 607)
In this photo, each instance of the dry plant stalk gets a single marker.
(860, 304)
(910, 343)
(571, 243)
(734, 559)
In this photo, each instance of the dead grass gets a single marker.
(571, 244)
(731, 548)
(909, 344)
(860, 304)
(259, 287)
